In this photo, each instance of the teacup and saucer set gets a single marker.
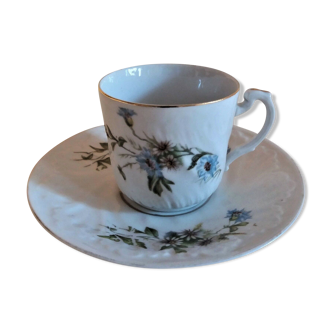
(161, 184)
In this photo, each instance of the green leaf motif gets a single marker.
(137, 231)
(152, 180)
(121, 172)
(131, 229)
(171, 234)
(152, 140)
(154, 184)
(87, 157)
(97, 149)
(192, 241)
(110, 237)
(165, 247)
(167, 183)
(106, 160)
(177, 148)
(195, 158)
(243, 223)
(198, 226)
(126, 240)
(152, 232)
(134, 144)
(100, 165)
(109, 133)
(121, 141)
(178, 250)
(181, 246)
(104, 145)
(192, 166)
(223, 237)
(233, 228)
(126, 155)
(140, 244)
(158, 189)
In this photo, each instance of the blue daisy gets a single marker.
(207, 166)
(148, 163)
(238, 215)
(125, 112)
(127, 115)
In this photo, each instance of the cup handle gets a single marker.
(250, 96)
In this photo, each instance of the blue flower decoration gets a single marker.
(127, 115)
(238, 215)
(207, 166)
(149, 163)
(125, 112)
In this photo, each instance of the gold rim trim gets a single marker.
(170, 106)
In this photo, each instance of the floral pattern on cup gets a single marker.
(151, 156)
(207, 167)
(127, 114)
(180, 242)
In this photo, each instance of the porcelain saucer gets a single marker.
(73, 195)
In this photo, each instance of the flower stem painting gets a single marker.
(180, 242)
(98, 156)
(152, 156)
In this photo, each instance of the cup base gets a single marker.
(168, 213)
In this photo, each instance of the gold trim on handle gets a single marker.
(171, 106)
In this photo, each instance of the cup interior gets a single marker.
(168, 85)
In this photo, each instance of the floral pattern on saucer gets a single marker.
(98, 156)
(75, 203)
(181, 241)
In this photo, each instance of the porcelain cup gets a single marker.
(168, 127)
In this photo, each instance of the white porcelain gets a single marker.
(168, 129)
(77, 200)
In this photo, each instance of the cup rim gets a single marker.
(170, 106)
